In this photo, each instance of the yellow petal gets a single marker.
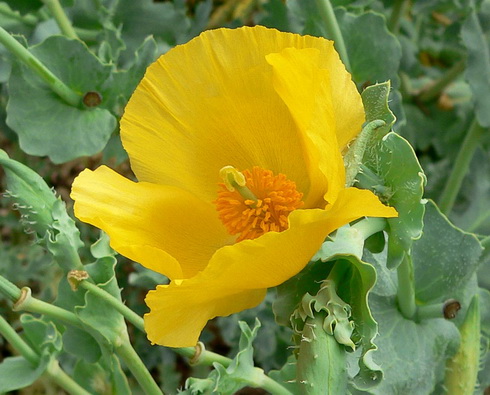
(210, 103)
(306, 90)
(238, 275)
(179, 314)
(164, 228)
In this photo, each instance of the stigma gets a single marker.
(254, 202)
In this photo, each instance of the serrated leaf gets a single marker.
(477, 73)
(45, 124)
(443, 264)
(394, 174)
(17, 373)
(31, 194)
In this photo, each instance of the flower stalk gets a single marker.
(60, 17)
(333, 30)
(23, 54)
(460, 167)
(126, 352)
(406, 288)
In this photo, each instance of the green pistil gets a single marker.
(235, 180)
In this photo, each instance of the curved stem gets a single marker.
(326, 12)
(406, 289)
(435, 89)
(60, 17)
(62, 90)
(126, 352)
(460, 168)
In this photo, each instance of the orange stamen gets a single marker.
(276, 196)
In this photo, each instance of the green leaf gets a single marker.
(374, 53)
(428, 343)
(42, 334)
(239, 374)
(45, 124)
(476, 37)
(392, 171)
(443, 264)
(375, 100)
(344, 250)
(32, 196)
(17, 373)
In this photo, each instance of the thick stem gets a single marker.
(406, 289)
(9, 289)
(126, 352)
(63, 91)
(460, 167)
(435, 89)
(327, 13)
(399, 8)
(60, 17)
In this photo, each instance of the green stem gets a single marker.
(271, 386)
(435, 89)
(60, 17)
(129, 314)
(369, 226)
(126, 352)
(33, 305)
(17, 342)
(399, 9)
(327, 13)
(204, 357)
(53, 371)
(460, 167)
(63, 91)
(9, 289)
(485, 243)
(430, 311)
(406, 289)
(30, 20)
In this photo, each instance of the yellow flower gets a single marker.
(236, 140)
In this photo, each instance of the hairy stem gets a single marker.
(59, 87)
(60, 17)
(460, 167)
(326, 12)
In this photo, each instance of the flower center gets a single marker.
(251, 203)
